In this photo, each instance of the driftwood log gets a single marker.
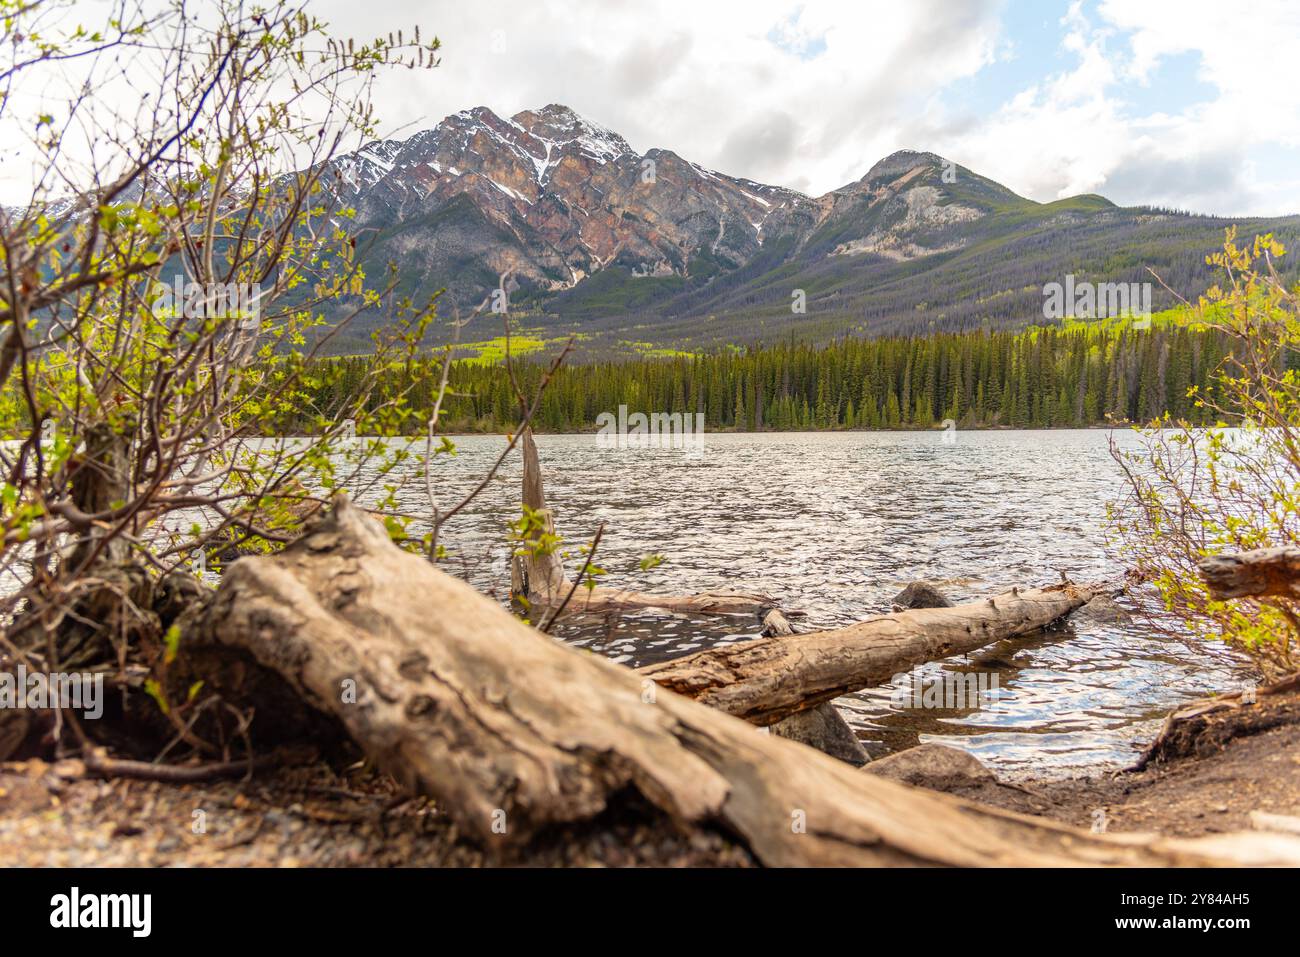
(1261, 573)
(511, 732)
(542, 577)
(767, 679)
(778, 677)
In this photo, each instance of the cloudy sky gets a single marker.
(1186, 103)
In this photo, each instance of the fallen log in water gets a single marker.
(768, 679)
(510, 731)
(541, 576)
(1260, 573)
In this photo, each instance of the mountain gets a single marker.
(554, 198)
(651, 248)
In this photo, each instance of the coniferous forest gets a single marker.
(1053, 377)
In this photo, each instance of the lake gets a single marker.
(834, 525)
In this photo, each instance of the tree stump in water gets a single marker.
(541, 576)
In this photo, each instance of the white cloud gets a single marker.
(810, 94)
(714, 82)
(1073, 133)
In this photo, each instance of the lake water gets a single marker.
(834, 525)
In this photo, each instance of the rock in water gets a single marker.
(1102, 610)
(921, 594)
(933, 766)
(826, 730)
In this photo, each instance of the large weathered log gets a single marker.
(767, 679)
(541, 576)
(1261, 573)
(510, 731)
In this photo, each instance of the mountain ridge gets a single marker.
(652, 247)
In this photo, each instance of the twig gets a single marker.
(591, 553)
(100, 764)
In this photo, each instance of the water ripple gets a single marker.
(834, 525)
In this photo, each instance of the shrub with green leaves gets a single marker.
(165, 286)
(1197, 492)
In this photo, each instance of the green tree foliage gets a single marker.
(1055, 377)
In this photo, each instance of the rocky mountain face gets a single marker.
(555, 199)
(656, 248)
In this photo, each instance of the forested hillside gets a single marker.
(1044, 377)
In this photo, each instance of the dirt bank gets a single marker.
(1231, 764)
(51, 815)
(55, 815)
